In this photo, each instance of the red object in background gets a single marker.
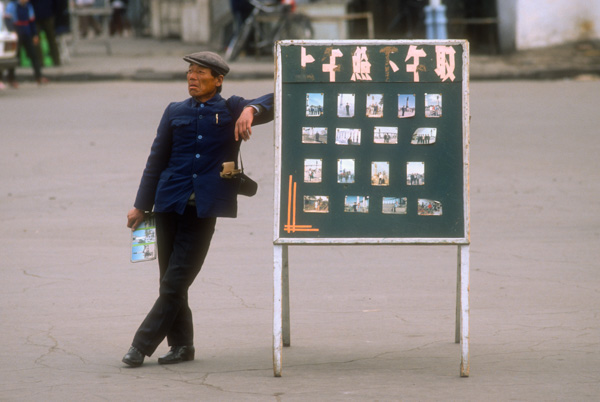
(292, 3)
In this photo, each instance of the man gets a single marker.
(181, 182)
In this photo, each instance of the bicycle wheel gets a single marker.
(297, 26)
(239, 40)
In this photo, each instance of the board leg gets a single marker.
(277, 308)
(464, 254)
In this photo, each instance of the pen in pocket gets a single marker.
(217, 116)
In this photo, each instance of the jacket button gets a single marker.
(194, 175)
(197, 156)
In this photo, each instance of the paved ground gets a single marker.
(368, 323)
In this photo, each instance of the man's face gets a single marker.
(201, 84)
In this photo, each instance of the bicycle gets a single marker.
(269, 22)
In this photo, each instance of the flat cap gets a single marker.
(210, 60)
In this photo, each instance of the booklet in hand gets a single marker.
(143, 240)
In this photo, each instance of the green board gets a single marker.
(372, 142)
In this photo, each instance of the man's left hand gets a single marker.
(243, 126)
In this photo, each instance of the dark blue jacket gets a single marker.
(22, 18)
(192, 142)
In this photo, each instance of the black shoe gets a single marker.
(133, 357)
(178, 354)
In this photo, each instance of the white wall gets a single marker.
(540, 23)
(327, 29)
(195, 21)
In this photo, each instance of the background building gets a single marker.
(491, 26)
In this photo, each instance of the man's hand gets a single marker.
(243, 126)
(36, 40)
(134, 218)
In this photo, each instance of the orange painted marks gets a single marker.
(291, 226)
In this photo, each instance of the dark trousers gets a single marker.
(183, 242)
(47, 25)
(26, 42)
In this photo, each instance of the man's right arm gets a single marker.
(157, 162)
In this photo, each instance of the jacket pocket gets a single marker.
(180, 122)
(183, 128)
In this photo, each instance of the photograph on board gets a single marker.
(433, 105)
(380, 173)
(347, 136)
(394, 205)
(375, 105)
(424, 136)
(406, 105)
(429, 207)
(415, 173)
(356, 203)
(313, 170)
(345, 169)
(316, 204)
(314, 135)
(345, 104)
(314, 104)
(385, 135)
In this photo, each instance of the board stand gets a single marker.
(281, 306)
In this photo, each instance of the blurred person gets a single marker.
(119, 23)
(2, 86)
(21, 15)
(44, 21)
(182, 184)
(240, 9)
(62, 18)
(88, 21)
(62, 27)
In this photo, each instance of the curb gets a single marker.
(141, 76)
(539, 75)
(146, 76)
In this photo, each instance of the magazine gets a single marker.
(143, 240)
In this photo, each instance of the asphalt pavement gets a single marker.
(146, 59)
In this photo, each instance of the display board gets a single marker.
(372, 141)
